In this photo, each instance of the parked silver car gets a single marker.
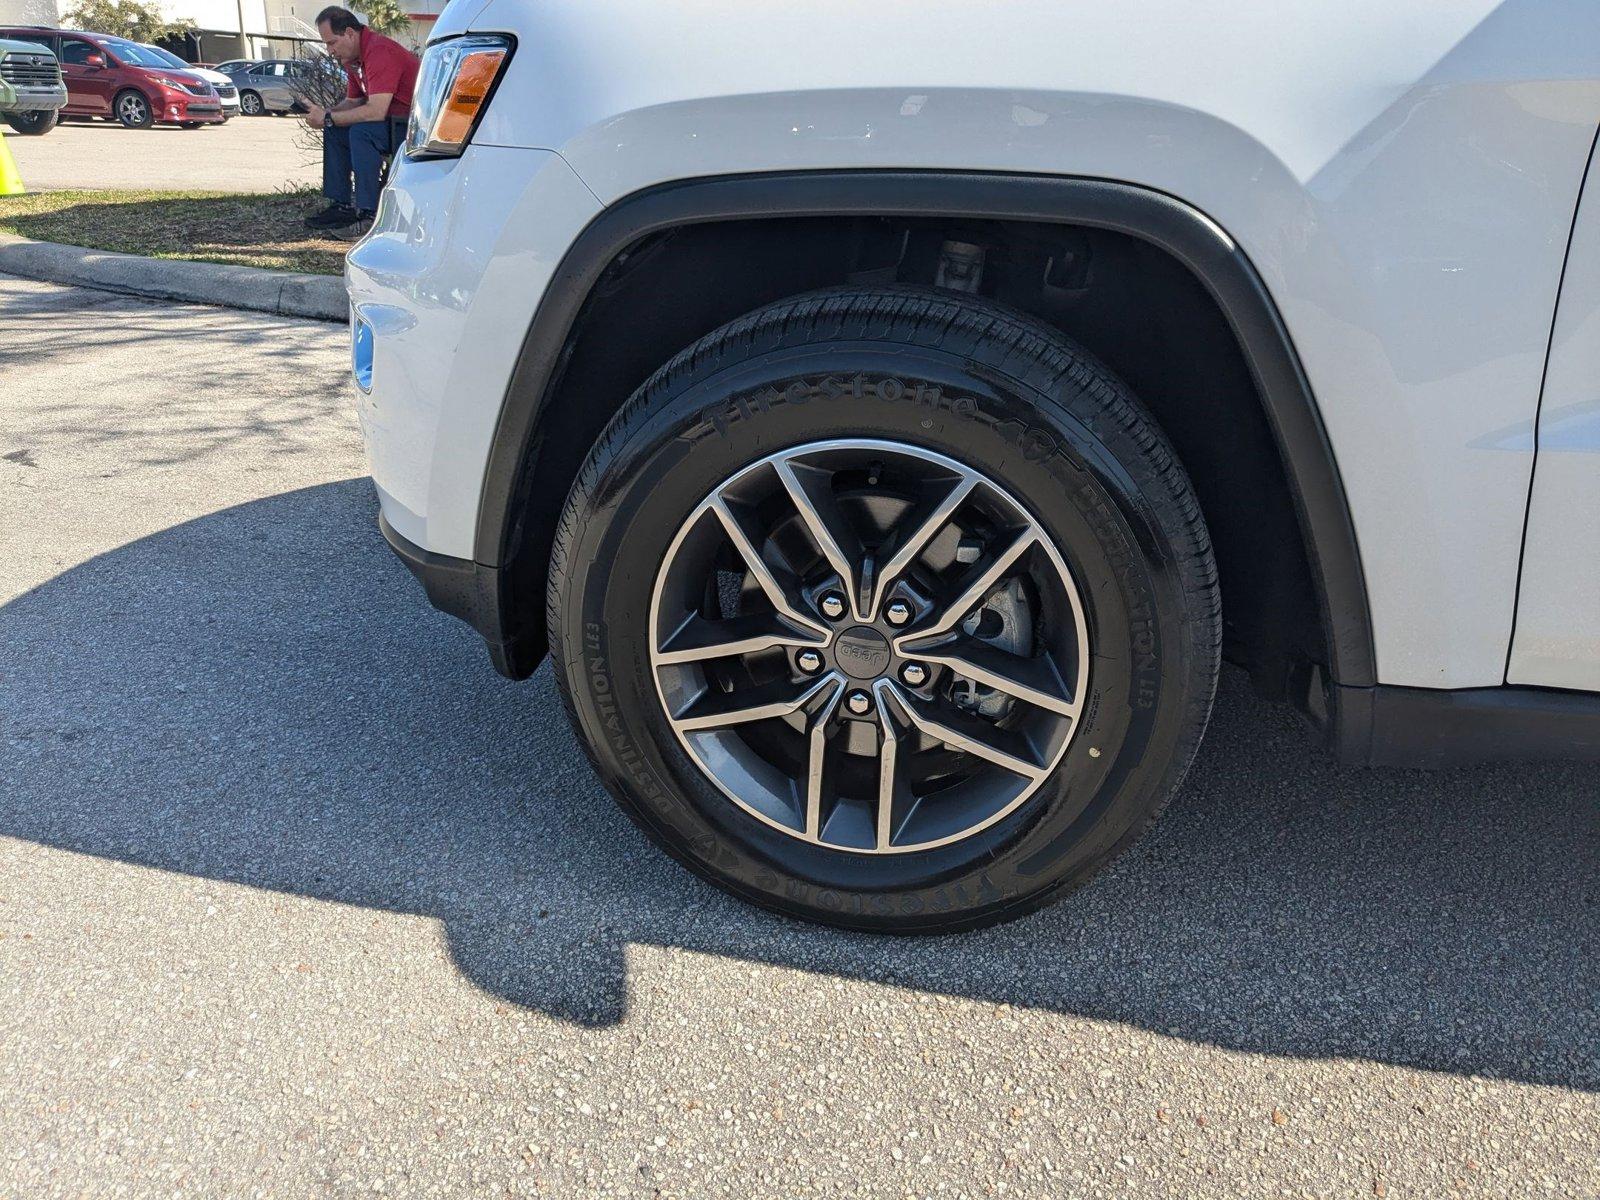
(266, 86)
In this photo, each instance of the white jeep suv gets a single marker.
(888, 415)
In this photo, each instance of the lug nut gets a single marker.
(809, 661)
(914, 674)
(898, 612)
(832, 605)
(859, 703)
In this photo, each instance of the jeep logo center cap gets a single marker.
(862, 652)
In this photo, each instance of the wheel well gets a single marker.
(1133, 305)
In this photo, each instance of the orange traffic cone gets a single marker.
(10, 181)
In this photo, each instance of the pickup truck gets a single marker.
(31, 91)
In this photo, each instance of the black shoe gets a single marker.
(355, 230)
(331, 217)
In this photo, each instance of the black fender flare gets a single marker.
(1179, 229)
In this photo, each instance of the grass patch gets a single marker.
(243, 229)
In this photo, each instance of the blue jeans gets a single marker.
(358, 150)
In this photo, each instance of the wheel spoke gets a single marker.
(923, 526)
(973, 594)
(894, 796)
(813, 498)
(971, 735)
(700, 638)
(717, 710)
(759, 569)
(816, 764)
(1035, 680)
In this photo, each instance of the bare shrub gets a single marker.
(315, 79)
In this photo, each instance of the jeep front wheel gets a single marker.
(889, 609)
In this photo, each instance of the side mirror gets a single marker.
(95, 60)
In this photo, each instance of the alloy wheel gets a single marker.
(871, 647)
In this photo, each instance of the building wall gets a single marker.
(423, 13)
(29, 12)
(292, 18)
(219, 15)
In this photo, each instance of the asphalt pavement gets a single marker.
(297, 897)
(248, 154)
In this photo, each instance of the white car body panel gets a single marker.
(1558, 615)
(1403, 177)
(460, 250)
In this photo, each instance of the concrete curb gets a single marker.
(286, 293)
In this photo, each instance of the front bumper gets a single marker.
(470, 591)
(445, 287)
(178, 108)
(31, 99)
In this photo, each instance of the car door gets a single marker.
(90, 84)
(1557, 637)
(267, 78)
(281, 96)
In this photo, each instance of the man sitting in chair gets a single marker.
(363, 129)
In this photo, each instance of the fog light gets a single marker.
(361, 354)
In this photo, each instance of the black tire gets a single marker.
(132, 109)
(250, 104)
(998, 392)
(33, 124)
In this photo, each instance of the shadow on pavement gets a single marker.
(263, 697)
(140, 412)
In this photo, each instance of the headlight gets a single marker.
(167, 81)
(453, 88)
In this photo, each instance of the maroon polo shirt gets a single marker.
(383, 65)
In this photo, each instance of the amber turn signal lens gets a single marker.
(471, 88)
(454, 83)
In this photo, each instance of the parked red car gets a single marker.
(120, 80)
